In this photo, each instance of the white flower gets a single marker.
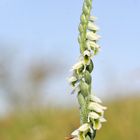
(75, 132)
(93, 115)
(92, 36)
(92, 18)
(77, 65)
(92, 26)
(94, 99)
(102, 119)
(92, 45)
(81, 131)
(84, 128)
(87, 53)
(87, 56)
(96, 107)
(72, 79)
(97, 125)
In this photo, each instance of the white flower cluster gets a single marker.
(96, 113)
(85, 62)
(91, 110)
(95, 119)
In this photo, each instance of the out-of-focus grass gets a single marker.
(54, 124)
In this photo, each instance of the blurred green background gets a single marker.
(123, 123)
(38, 46)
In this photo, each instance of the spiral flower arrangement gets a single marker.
(91, 110)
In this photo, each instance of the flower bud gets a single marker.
(88, 2)
(85, 9)
(83, 18)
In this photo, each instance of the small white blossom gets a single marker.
(93, 115)
(75, 132)
(94, 99)
(72, 79)
(93, 45)
(81, 131)
(92, 36)
(92, 26)
(96, 108)
(87, 53)
(96, 105)
(77, 65)
(84, 128)
(102, 119)
(97, 125)
(92, 18)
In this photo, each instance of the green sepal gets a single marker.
(83, 108)
(83, 18)
(89, 2)
(84, 88)
(80, 70)
(81, 28)
(73, 83)
(87, 77)
(90, 67)
(81, 136)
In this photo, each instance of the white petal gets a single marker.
(87, 53)
(92, 27)
(77, 65)
(75, 132)
(95, 99)
(94, 45)
(92, 36)
(72, 79)
(92, 106)
(85, 127)
(98, 106)
(102, 119)
(92, 18)
(93, 115)
(88, 45)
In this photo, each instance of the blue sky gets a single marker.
(50, 28)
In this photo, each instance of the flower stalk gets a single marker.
(91, 110)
